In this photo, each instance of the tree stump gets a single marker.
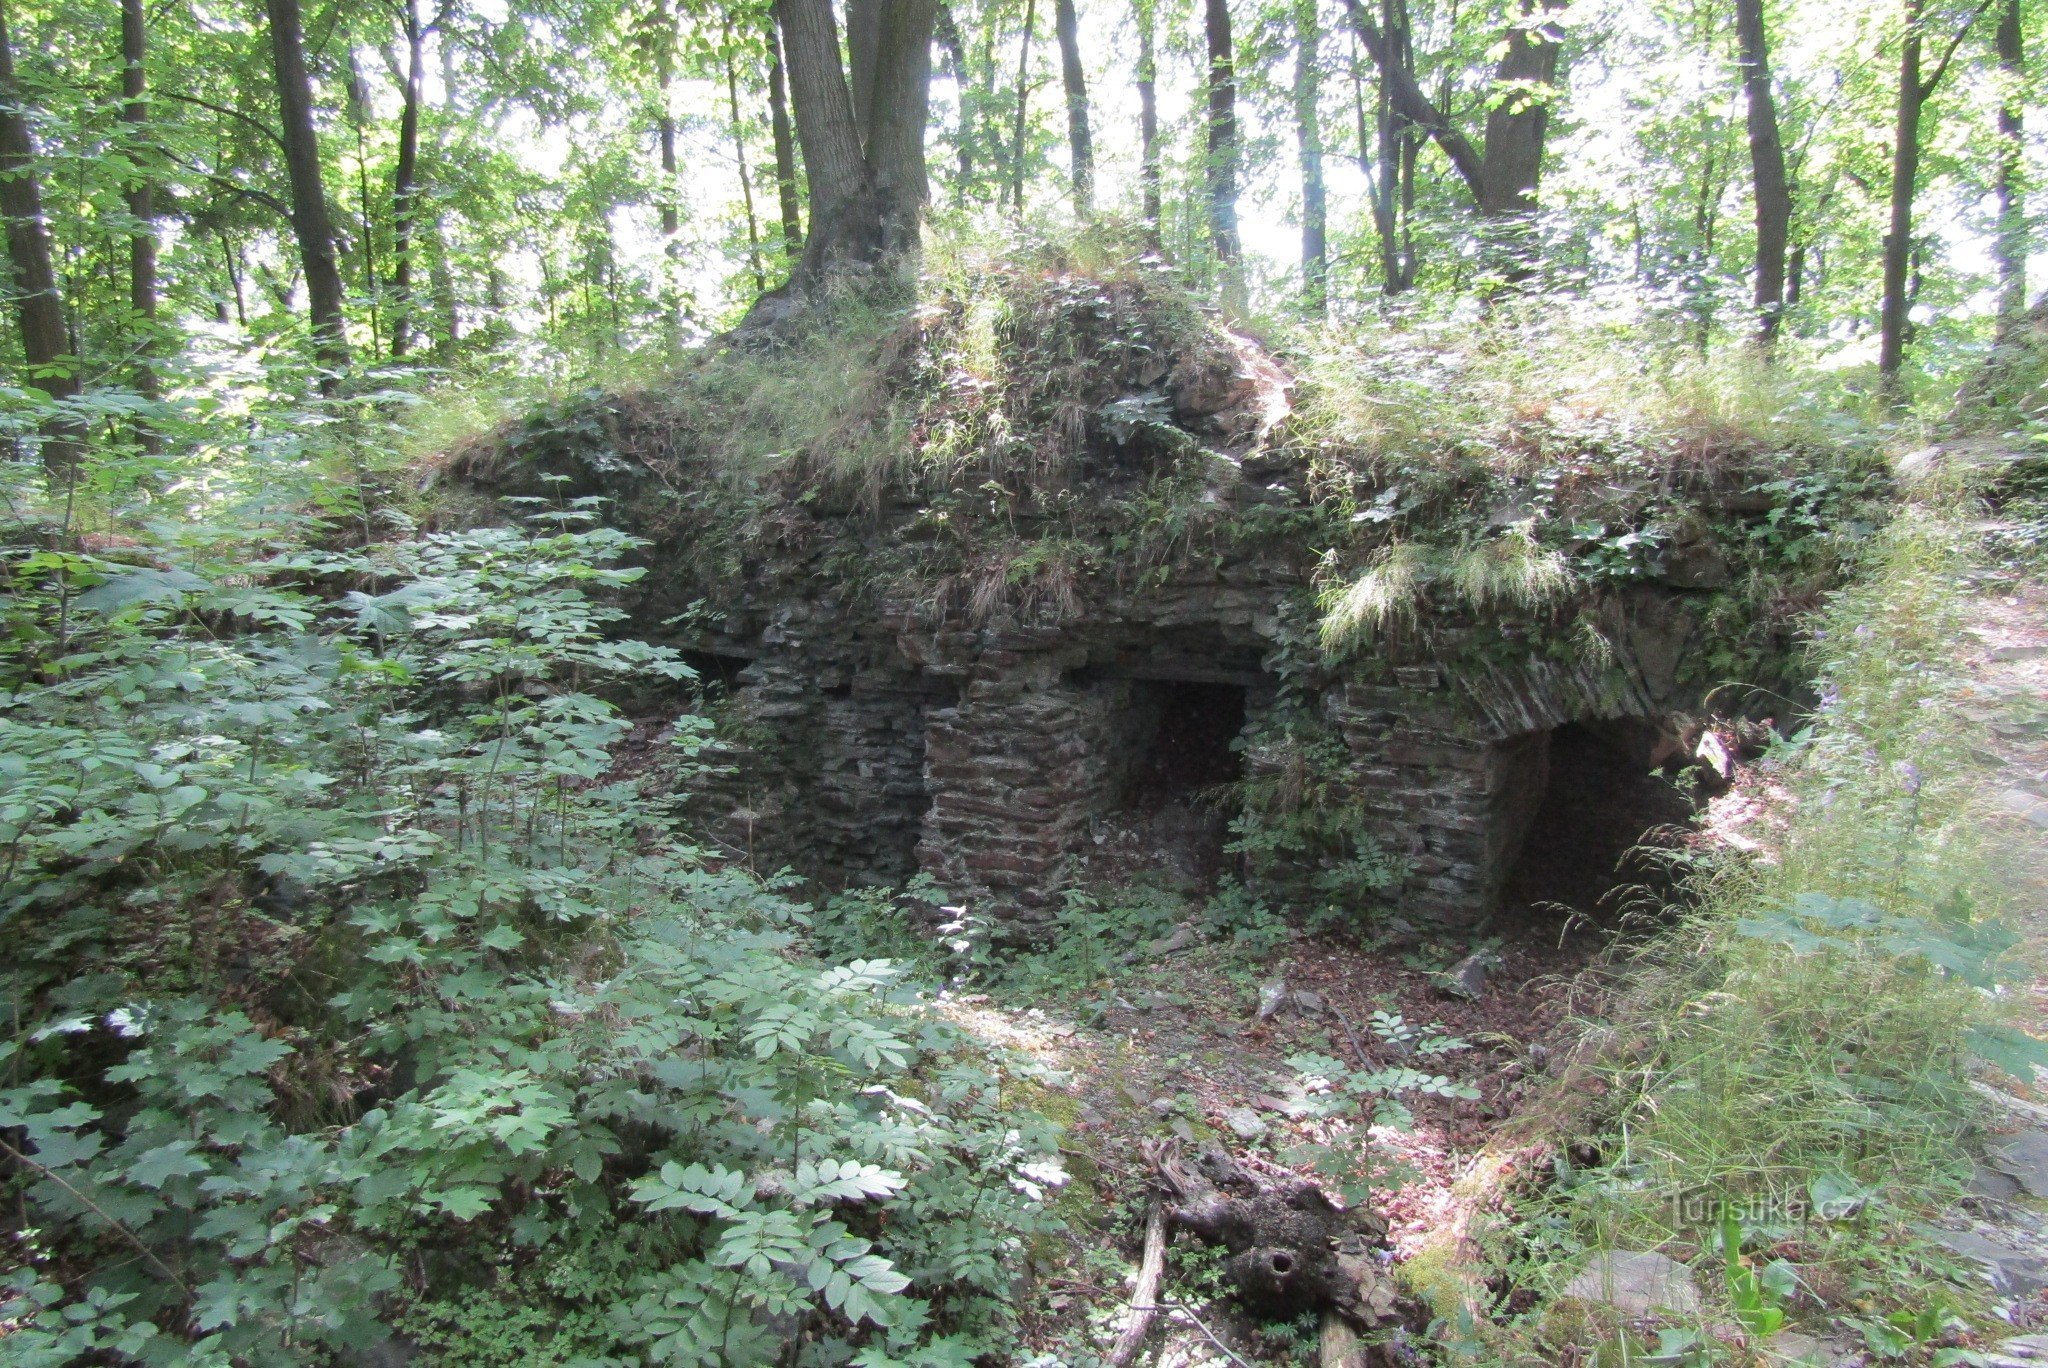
(1292, 1250)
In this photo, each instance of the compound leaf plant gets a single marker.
(352, 993)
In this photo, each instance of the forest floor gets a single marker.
(1193, 1042)
(1177, 1045)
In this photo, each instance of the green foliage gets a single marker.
(1810, 1029)
(352, 991)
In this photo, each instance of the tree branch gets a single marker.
(261, 127)
(1941, 68)
(118, 1228)
(1415, 106)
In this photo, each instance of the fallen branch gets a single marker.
(1144, 1297)
(1200, 1325)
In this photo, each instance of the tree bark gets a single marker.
(405, 184)
(1223, 148)
(948, 34)
(739, 152)
(38, 304)
(1518, 121)
(867, 185)
(669, 195)
(1148, 120)
(1767, 169)
(785, 150)
(1914, 92)
(140, 195)
(310, 222)
(1023, 110)
(1308, 124)
(2010, 246)
(1081, 147)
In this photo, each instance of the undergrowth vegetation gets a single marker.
(350, 991)
(1796, 1056)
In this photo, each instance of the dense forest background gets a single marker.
(564, 190)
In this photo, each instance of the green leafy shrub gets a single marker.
(351, 990)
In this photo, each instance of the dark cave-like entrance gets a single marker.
(1594, 829)
(1182, 739)
(1173, 747)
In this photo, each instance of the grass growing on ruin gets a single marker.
(1806, 1035)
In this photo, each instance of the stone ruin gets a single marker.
(869, 734)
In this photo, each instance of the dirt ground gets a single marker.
(1176, 1045)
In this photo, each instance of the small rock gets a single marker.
(1637, 1284)
(2018, 652)
(1245, 1124)
(1789, 1346)
(1272, 997)
(1162, 1105)
(1717, 766)
(2026, 805)
(1539, 1057)
(1307, 1001)
(2025, 1157)
(1466, 978)
(1989, 1182)
(2011, 1271)
(2028, 1350)
(1180, 938)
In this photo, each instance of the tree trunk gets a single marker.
(1308, 124)
(670, 193)
(140, 194)
(1023, 110)
(867, 184)
(1898, 239)
(2010, 247)
(441, 277)
(948, 33)
(1081, 147)
(1517, 122)
(1767, 167)
(1223, 149)
(38, 305)
(310, 222)
(405, 184)
(1148, 120)
(785, 149)
(739, 152)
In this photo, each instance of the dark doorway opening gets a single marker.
(717, 675)
(1183, 738)
(1594, 840)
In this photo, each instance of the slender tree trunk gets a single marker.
(405, 184)
(358, 105)
(1898, 239)
(441, 279)
(2011, 243)
(785, 150)
(1081, 147)
(1223, 149)
(140, 194)
(38, 304)
(1023, 110)
(1308, 124)
(669, 197)
(1767, 168)
(948, 33)
(1148, 119)
(739, 152)
(310, 222)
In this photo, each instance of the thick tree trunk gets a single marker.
(1148, 120)
(1223, 148)
(1081, 147)
(1023, 110)
(867, 184)
(1898, 239)
(785, 149)
(310, 222)
(405, 184)
(38, 305)
(2010, 247)
(140, 195)
(1518, 121)
(1767, 168)
(1308, 126)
